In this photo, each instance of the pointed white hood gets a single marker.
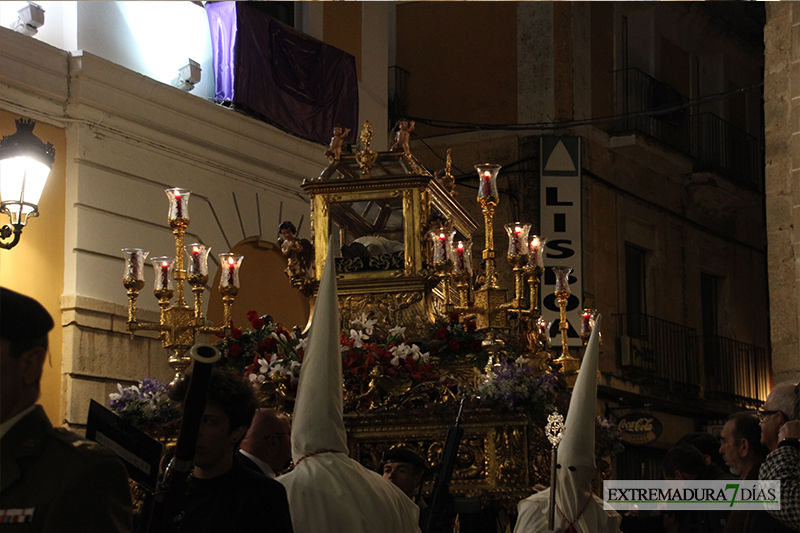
(328, 491)
(576, 464)
(576, 505)
(317, 422)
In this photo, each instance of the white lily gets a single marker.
(358, 338)
(397, 331)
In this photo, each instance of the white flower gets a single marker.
(521, 360)
(395, 360)
(397, 331)
(417, 354)
(402, 350)
(301, 344)
(362, 323)
(358, 337)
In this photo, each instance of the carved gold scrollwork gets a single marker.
(470, 460)
(510, 447)
(346, 265)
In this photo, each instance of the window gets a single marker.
(635, 301)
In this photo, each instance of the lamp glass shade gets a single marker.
(487, 182)
(229, 264)
(518, 239)
(22, 179)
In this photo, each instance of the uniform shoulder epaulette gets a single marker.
(77, 442)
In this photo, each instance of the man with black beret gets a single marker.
(404, 468)
(50, 478)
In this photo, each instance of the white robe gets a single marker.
(331, 493)
(533, 516)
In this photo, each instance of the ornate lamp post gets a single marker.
(25, 163)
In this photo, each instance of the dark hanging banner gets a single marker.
(287, 78)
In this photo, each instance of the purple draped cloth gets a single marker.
(293, 81)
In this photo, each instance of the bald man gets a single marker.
(267, 447)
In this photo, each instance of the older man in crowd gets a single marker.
(267, 447)
(781, 433)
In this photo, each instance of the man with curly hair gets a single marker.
(223, 494)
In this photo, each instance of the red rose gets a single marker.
(267, 345)
(441, 334)
(454, 317)
(471, 327)
(252, 315)
(455, 345)
(233, 351)
(236, 333)
(280, 330)
(257, 323)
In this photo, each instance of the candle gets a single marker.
(459, 263)
(517, 234)
(196, 260)
(164, 274)
(135, 265)
(486, 184)
(231, 271)
(586, 326)
(178, 207)
(533, 259)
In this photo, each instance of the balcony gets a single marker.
(735, 371)
(721, 147)
(662, 353)
(704, 142)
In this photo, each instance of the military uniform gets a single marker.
(53, 480)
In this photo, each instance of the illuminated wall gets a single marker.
(35, 265)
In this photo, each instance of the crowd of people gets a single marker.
(53, 480)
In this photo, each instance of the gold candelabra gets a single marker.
(491, 309)
(180, 324)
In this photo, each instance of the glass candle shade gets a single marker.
(462, 257)
(442, 243)
(517, 239)
(197, 271)
(133, 278)
(229, 276)
(562, 279)
(587, 321)
(178, 206)
(487, 181)
(536, 251)
(165, 281)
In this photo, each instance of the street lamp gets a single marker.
(25, 163)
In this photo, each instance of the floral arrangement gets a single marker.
(516, 387)
(145, 405)
(267, 351)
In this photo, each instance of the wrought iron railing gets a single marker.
(735, 371)
(720, 146)
(663, 352)
(656, 109)
(651, 107)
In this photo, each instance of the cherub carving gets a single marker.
(298, 252)
(402, 136)
(334, 150)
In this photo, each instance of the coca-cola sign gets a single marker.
(639, 428)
